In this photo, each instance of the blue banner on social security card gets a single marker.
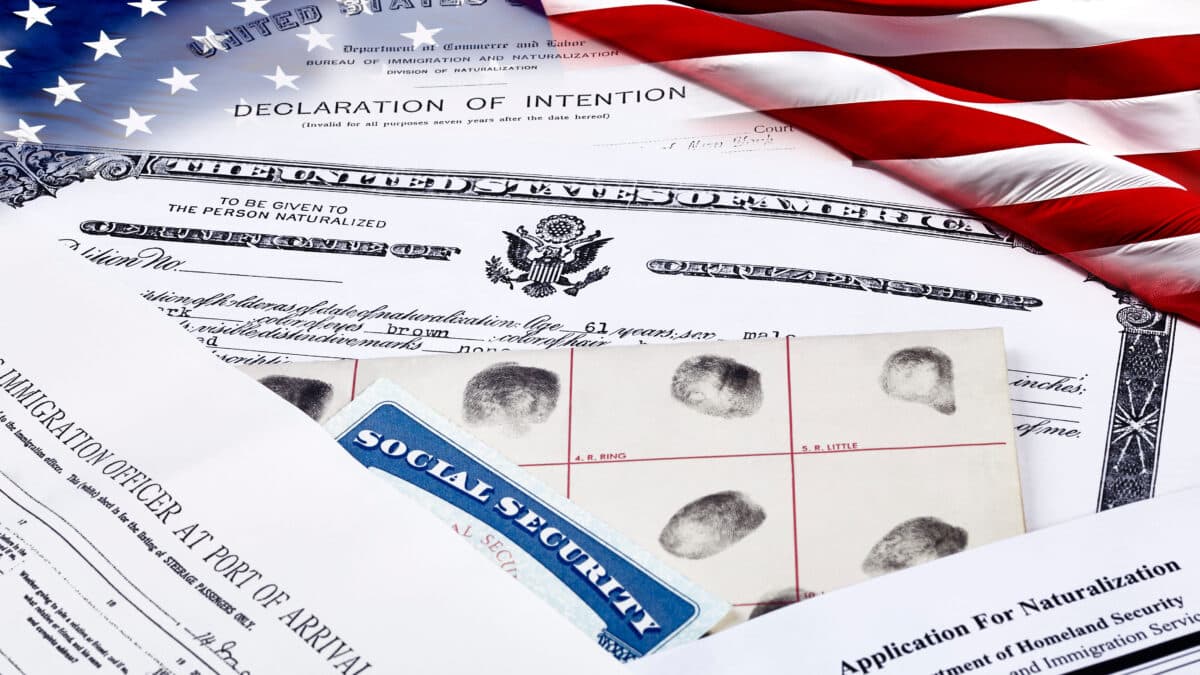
(640, 610)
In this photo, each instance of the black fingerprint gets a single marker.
(922, 375)
(717, 386)
(778, 600)
(310, 396)
(913, 542)
(510, 396)
(711, 524)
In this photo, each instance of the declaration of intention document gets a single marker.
(160, 513)
(275, 260)
(1113, 593)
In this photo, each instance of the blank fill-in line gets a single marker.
(1034, 372)
(263, 351)
(208, 318)
(262, 276)
(1043, 417)
(663, 140)
(1056, 405)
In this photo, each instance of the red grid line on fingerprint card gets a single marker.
(741, 455)
(570, 414)
(635, 460)
(903, 447)
(787, 351)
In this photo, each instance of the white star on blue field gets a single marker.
(71, 71)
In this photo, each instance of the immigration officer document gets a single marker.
(160, 514)
(1117, 592)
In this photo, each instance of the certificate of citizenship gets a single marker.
(273, 260)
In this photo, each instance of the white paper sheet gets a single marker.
(1117, 592)
(161, 514)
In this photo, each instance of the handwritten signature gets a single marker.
(223, 651)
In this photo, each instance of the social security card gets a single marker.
(632, 603)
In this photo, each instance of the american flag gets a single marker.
(1074, 123)
(100, 72)
(142, 73)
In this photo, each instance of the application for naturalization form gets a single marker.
(1114, 593)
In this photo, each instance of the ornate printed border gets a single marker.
(1136, 416)
(30, 171)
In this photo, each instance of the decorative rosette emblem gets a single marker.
(560, 229)
(545, 258)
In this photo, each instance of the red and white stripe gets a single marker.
(1075, 123)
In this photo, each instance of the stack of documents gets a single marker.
(598, 336)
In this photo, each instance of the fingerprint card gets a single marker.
(702, 400)
(768, 471)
